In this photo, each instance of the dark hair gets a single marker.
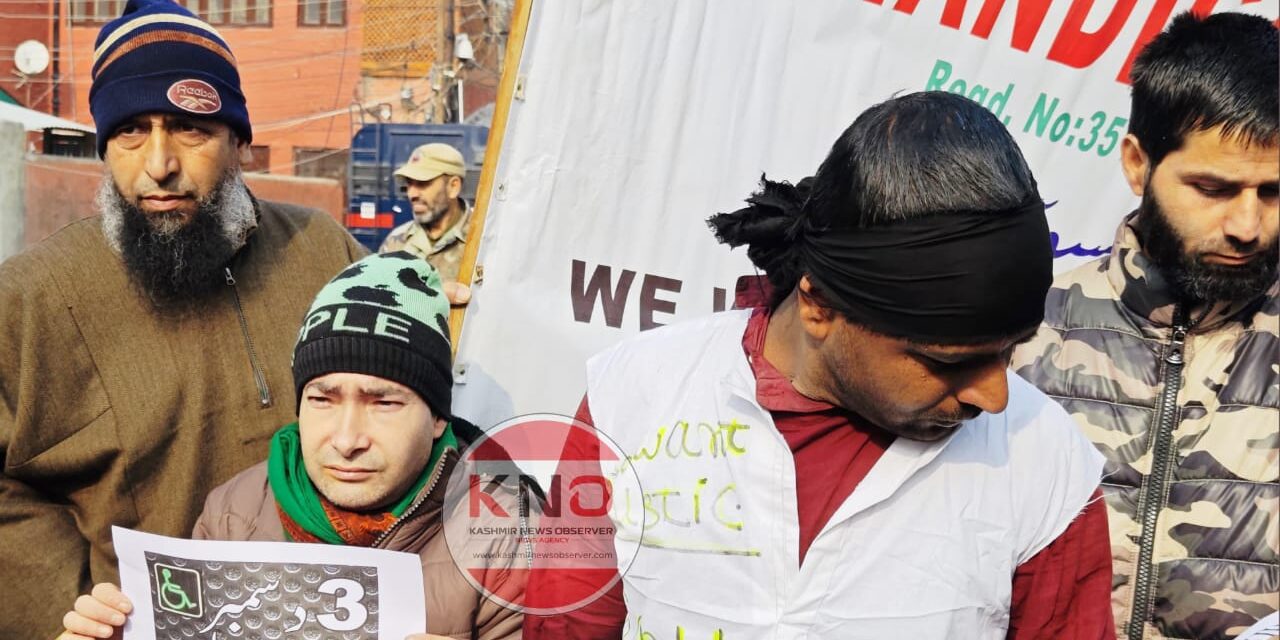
(1205, 72)
(908, 157)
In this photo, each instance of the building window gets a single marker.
(249, 13)
(261, 162)
(83, 11)
(322, 13)
(313, 162)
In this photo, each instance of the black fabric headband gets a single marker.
(943, 278)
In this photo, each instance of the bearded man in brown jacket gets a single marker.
(367, 462)
(143, 352)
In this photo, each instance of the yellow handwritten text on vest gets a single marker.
(695, 441)
(641, 634)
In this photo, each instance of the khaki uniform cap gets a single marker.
(431, 160)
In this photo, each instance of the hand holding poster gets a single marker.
(226, 590)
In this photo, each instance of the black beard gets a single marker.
(175, 267)
(1191, 279)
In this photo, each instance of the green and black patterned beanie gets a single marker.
(386, 316)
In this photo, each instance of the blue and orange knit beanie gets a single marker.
(158, 57)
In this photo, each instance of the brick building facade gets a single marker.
(311, 70)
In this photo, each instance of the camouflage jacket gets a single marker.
(1185, 405)
(445, 254)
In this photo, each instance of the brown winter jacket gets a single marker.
(114, 414)
(245, 509)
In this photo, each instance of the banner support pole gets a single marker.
(493, 147)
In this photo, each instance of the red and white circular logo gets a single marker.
(196, 96)
(528, 514)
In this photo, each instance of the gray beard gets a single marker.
(430, 217)
(173, 259)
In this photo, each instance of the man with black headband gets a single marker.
(1166, 351)
(144, 352)
(853, 459)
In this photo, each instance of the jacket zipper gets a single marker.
(264, 394)
(431, 485)
(524, 530)
(1154, 490)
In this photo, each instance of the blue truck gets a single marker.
(376, 199)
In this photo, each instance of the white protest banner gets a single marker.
(223, 590)
(635, 120)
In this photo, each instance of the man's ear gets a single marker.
(815, 316)
(1135, 163)
(243, 150)
(454, 187)
(440, 425)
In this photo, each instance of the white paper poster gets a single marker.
(638, 119)
(184, 589)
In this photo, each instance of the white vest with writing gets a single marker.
(925, 547)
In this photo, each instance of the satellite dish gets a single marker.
(31, 57)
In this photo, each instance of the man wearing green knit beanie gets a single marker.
(367, 462)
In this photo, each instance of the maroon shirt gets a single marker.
(834, 447)
(1062, 592)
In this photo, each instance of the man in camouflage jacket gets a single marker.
(441, 218)
(1166, 351)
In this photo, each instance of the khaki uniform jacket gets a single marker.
(1189, 421)
(245, 509)
(445, 254)
(114, 414)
